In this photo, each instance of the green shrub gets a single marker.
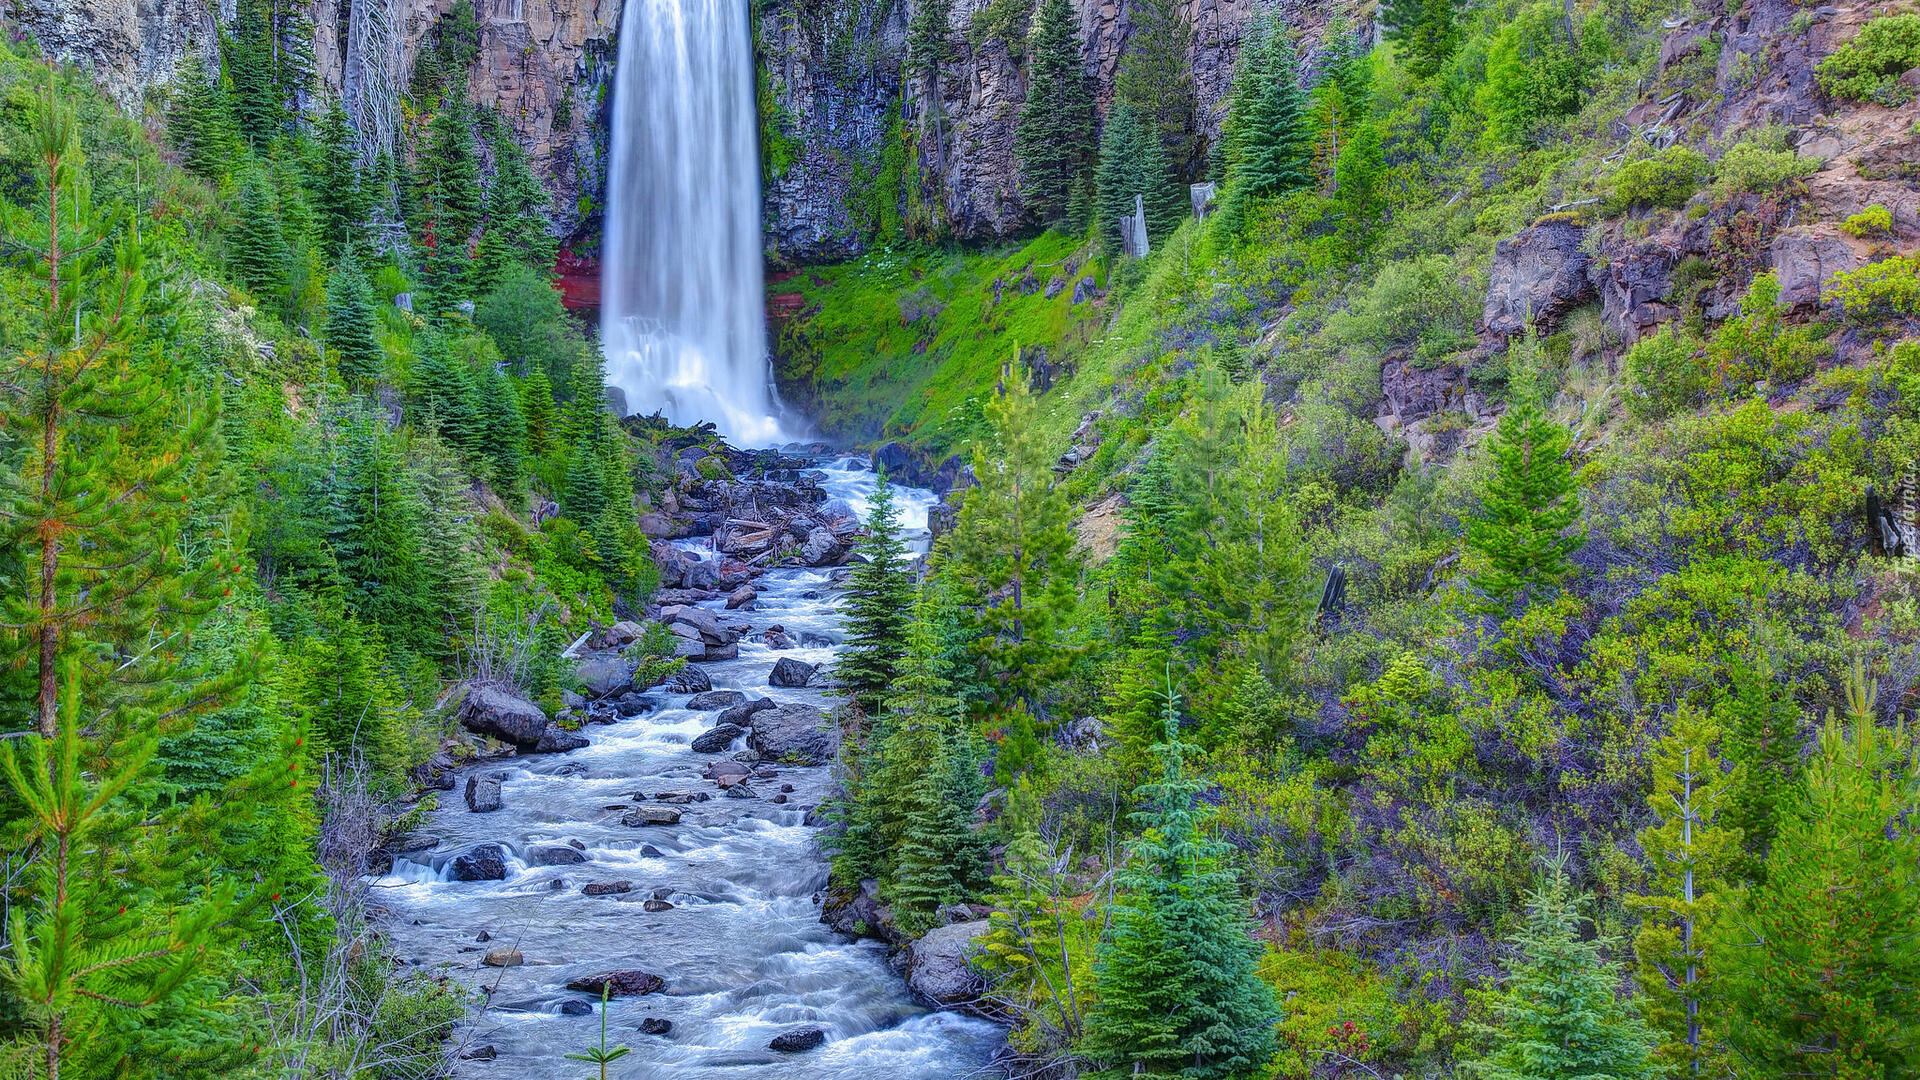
(1866, 68)
(1667, 179)
(1875, 220)
(1665, 373)
(1759, 345)
(1761, 162)
(1534, 75)
(1421, 300)
(1877, 291)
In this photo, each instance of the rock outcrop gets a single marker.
(938, 967)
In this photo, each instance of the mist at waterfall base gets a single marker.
(682, 316)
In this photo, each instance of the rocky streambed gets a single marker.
(668, 851)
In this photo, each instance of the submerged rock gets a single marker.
(790, 673)
(795, 1042)
(654, 1025)
(619, 983)
(503, 958)
(482, 862)
(715, 699)
(607, 888)
(717, 738)
(554, 856)
(651, 815)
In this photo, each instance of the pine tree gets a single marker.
(879, 596)
(1359, 177)
(1132, 163)
(1558, 1017)
(350, 323)
(249, 53)
(1272, 136)
(374, 529)
(259, 256)
(1523, 531)
(1426, 31)
(117, 462)
(1341, 97)
(1820, 968)
(451, 573)
(516, 226)
(1178, 993)
(338, 193)
(1155, 79)
(536, 404)
(445, 394)
(585, 496)
(201, 121)
(1055, 136)
(504, 440)
(1763, 742)
(1691, 855)
(1014, 546)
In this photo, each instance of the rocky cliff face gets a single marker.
(839, 113)
(544, 65)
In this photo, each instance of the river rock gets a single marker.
(554, 856)
(631, 703)
(740, 791)
(742, 714)
(502, 958)
(654, 1025)
(715, 699)
(606, 888)
(648, 851)
(482, 862)
(938, 967)
(500, 711)
(790, 673)
(657, 906)
(795, 732)
(795, 1042)
(742, 597)
(717, 738)
(651, 815)
(858, 913)
(810, 639)
(719, 654)
(605, 676)
(484, 1053)
(688, 680)
(558, 740)
(821, 548)
(777, 639)
(575, 1008)
(483, 794)
(619, 984)
(685, 620)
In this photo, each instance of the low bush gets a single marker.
(1882, 290)
(1667, 180)
(1665, 372)
(1761, 163)
(1875, 220)
(1868, 67)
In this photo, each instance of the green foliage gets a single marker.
(1875, 220)
(1665, 180)
(1268, 139)
(1535, 74)
(1877, 291)
(1426, 32)
(201, 123)
(1557, 1017)
(1666, 371)
(877, 597)
(1055, 138)
(1133, 163)
(1761, 163)
(930, 38)
(1154, 79)
(1822, 958)
(1759, 345)
(1524, 529)
(260, 255)
(1868, 67)
(350, 323)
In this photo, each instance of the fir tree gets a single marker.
(1692, 854)
(1523, 531)
(259, 256)
(1055, 137)
(249, 53)
(1359, 177)
(1272, 135)
(351, 321)
(1426, 31)
(201, 122)
(1820, 964)
(516, 226)
(536, 405)
(1155, 79)
(1132, 163)
(1013, 545)
(1178, 993)
(504, 440)
(451, 574)
(1558, 1017)
(585, 496)
(1763, 742)
(879, 596)
(374, 529)
(339, 196)
(445, 394)
(117, 452)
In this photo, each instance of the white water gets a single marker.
(743, 950)
(682, 314)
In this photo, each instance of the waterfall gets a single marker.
(682, 314)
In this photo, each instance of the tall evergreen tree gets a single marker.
(1013, 546)
(1178, 993)
(201, 121)
(504, 438)
(1820, 965)
(338, 194)
(516, 225)
(1692, 856)
(879, 597)
(1132, 163)
(1763, 741)
(259, 256)
(1155, 79)
(350, 323)
(249, 52)
(1524, 529)
(1558, 1016)
(374, 526)
(1272, 133)
(1055, 137)
(536, 404)
(1426, 32)
(445, 393)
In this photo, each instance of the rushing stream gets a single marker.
(742, 949)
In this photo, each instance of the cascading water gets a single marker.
(682, 314)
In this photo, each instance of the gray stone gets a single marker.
(558, 740)
(575, 1008)
(821, 548)
(742, 714)
(619, 984)
(688, 680)
(651, 815)
(605, 676)
(607, 888)
(716, 739)
(795, 1042)
(499, 711)
(795, 732)
(481, 862)
(654, 1025)
(715, 699)
(554, 856)
(790, 673)
(1539, 273)
(937, 965)
(742, 597)
(483, 794)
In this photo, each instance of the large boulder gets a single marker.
(483, 794)
(742, 714)
(795, 1042)
(688, 680)
(937, 965)
(558, 740)
(694, 622)
(499, 711)
(821, 548)
(742, 597)
(1539, 274)
(481, 862)
(1805, 259)
(795, 733)
(715, 699)
(716, 739)
(604, 676)
(790, 673)
(619, 983)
